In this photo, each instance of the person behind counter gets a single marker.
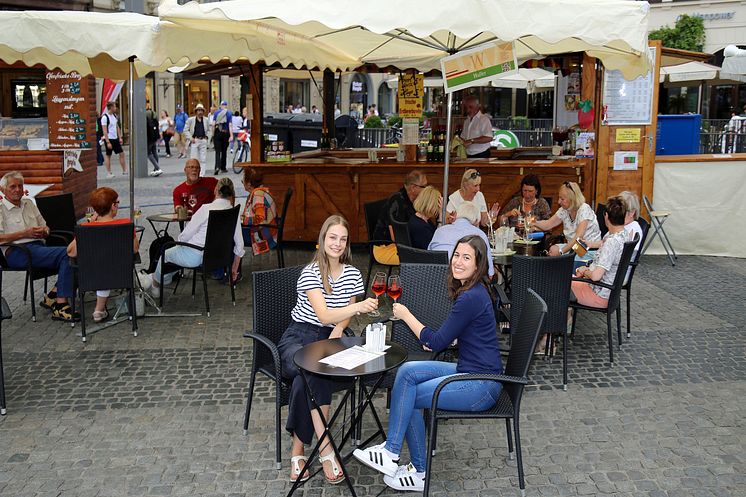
(399, 207)
(470, 191)
(577, 218)
(196, 189)
(427, 206)
(528, 202)
(477, 131)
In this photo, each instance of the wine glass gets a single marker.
(394, 291)
(527, 220)
(89, 214)
(137, 211)
(379, 288)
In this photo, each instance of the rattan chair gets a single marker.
(274, 296)
(105, 261)
(401, 233)
(513, 380)
(372, 214)
(614, 306)
(550, 278)
(633, 263)
(411, 255)
(58, 212)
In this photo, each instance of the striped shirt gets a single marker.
(349, 284)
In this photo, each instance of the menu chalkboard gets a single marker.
(67, 111)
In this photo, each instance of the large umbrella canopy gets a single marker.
(101, 44)
(696, 71)
(418, 33)
(532, 79)
(734, 60)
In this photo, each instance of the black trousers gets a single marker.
(221, 140)
(480, 155)
(299, 407)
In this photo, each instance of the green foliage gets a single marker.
(687, 34)
(520, 122)
(394, 120)
(373, 122)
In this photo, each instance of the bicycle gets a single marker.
(243, 154)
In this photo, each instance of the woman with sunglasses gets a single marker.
(576, 217)
(470, 191)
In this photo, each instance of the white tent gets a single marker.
(697, 71)
(416, 34)
(734, 60)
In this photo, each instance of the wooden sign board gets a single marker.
(67, 111)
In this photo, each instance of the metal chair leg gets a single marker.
(610, 338)
(629, 306)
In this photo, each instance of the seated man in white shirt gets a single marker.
(467, 220)
(195, 233)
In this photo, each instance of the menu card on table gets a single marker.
(68, 109)
(352, 357)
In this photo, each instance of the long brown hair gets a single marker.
(321, 258)
(481, 274)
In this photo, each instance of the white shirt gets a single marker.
(112, 121)
(236, 123)
(17, 218)
(195, 231)
(455, 199)
(346, 286)
(479, 125)
(585, 213)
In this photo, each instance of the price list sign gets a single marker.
(67, 111)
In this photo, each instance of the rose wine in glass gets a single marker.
(379, 288)
(394, 291)
(89, 214)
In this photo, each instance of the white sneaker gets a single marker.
(377, 457)
(155, 291)
(109, 175)
(405, 479)
(153, 173)
(158, 172)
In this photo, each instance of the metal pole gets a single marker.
(132, 147)
(447, 158)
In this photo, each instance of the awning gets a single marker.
(697, 71)
(734, 61)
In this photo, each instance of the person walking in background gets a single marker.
(222, 135)
(166, 127)
(236, 125)
(180, 141)
(197, 132)
(112, 138)
(152, 133)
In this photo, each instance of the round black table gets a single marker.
(307, 359)
(167, 218)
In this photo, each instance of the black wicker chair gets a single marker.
(372, 214)
(614, 305)
(600, 211)
(105, 261)
(513, 380)
(59, 213)
(4, 314)
(401, 233)
(633, 263)
(217, 252)
(411, 255)
(550, 278)
(274, 296)
(279, 224)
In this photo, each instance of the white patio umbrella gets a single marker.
(533, 78)
(418, 33)
(734, 60)
(697, 71)
(123, 46)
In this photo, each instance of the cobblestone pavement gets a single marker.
(161, 413)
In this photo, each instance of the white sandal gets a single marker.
(339, 477)
(295, 464)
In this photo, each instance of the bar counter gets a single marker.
(333, 184)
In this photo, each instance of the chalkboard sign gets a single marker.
(68, 111)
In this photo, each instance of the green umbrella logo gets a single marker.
(504, 138)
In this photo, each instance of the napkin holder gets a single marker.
(375, 337)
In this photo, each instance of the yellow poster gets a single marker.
(628, 135)
(410, 107)
(411, 85)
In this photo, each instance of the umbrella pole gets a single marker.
(447, 157)
(132, 147)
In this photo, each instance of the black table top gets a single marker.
(167, 217)
(308, 358)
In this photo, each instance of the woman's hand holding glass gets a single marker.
(367, 305)
(399, 310)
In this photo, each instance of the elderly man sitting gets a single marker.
(22, 223)
(201, 188)
(466, 223)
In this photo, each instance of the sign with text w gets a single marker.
(476, 66)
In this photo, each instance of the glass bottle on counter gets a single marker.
(430, 149)
(441, 147)
(324, 143)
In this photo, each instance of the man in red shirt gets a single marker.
(196, 190)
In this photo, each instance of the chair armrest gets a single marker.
(60, 238)
(181, 244)
(597, 283)
(501, 378)
(270, 346)
(378, 242)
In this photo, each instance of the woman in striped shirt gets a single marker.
(326, 302)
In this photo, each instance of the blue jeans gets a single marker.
(182, 256)
(413, 391)
(48, 258)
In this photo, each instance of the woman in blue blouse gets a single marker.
(472, 321)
